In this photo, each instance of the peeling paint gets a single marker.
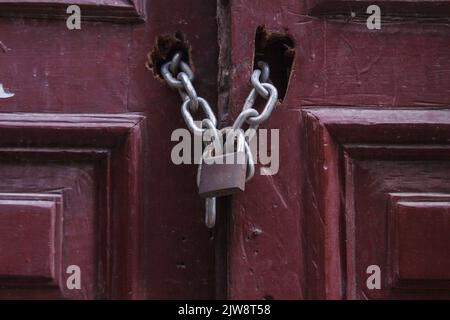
(5, 94)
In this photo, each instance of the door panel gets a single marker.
(63, 72)
(363, 153)
(377, 185)
(94, 80)
(71, 194)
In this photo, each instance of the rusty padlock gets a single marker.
(223, 174)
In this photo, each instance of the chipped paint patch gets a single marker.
(5, 94)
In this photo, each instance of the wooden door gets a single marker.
(85, 173)
(364, 150)
(86, 179)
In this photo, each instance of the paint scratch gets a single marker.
(278, 192)
(4, 48)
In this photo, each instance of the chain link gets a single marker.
(180, 76)
(189, 119)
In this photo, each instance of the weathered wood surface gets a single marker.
(290, 232)
(101, 69)
(391, 9)
(307, 232)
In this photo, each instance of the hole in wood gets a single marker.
(278, 51)
(165, 47)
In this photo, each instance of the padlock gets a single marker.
(223, 174)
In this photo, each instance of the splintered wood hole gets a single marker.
(278, 51)
(165, 47)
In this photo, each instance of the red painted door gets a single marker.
(85, 173)
(363, 182)
(87, 183)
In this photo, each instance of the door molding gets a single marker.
(110, 10)
(95, 164)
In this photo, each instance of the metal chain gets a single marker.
(180, 76)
